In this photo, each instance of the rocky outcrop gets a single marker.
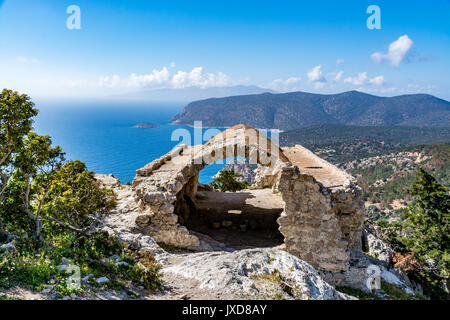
(361, 268)
(377, 247)
(224, 273)
(255, 273)
(323, 211)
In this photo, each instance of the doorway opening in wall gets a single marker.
(240, 220)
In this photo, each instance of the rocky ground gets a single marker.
(226, 273)
(259, 273)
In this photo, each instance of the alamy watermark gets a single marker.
(73, 22)
(374, 20)
(373, 281)
(74, 280)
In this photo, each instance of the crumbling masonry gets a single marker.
(323, 212)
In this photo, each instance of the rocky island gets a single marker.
(146, 125)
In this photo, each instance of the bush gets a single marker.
(35, 268)
(25, 267)
(227, 181)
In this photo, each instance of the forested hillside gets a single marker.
(294, 110)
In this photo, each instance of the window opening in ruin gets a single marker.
(240, 220)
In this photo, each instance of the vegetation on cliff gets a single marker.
(50, 210)
(386, 177)
(422, 236)
(339, 143)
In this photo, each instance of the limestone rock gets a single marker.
(378, 248)
(102, 280)
(357, 274)
(143, 219)
(107, 180)
(239, 272)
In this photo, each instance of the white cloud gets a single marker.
(335, 77)
(289, 84)
(357, 81)
(409, 89)
(362, 79)
(22, 59)
(109, 82)
(319, 85)
(315, 75)
(196, 78)
(164, 79)
(382, 90)
(292, 80)
(156, 78)
(377, 81)
(396, 53)
(416, 88)
(339, 61)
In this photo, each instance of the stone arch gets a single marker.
(323, 211)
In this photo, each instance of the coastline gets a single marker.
(174, 123)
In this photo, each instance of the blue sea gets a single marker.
(101, 134)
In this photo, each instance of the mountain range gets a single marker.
(287, 111)
(187, 94)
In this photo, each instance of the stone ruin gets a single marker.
(323, 213)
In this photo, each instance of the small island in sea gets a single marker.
(146, 125)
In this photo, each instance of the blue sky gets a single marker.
(317, 46)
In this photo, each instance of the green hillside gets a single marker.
(385, 178)
(339, 143)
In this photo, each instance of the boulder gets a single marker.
(239, 273)
(102, 280)
(378, 248)
(143, 219)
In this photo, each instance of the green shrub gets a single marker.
(227, 181)
(26, 267)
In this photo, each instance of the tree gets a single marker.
(36, 184)
(227, 181)
(427, 223)
(16, 113)
(37, 164)
(73, 198)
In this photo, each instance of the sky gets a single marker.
(125, 46)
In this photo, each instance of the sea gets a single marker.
(102, 134)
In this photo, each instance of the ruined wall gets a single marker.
(321, 225)
(323, 212)
(157, 190)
